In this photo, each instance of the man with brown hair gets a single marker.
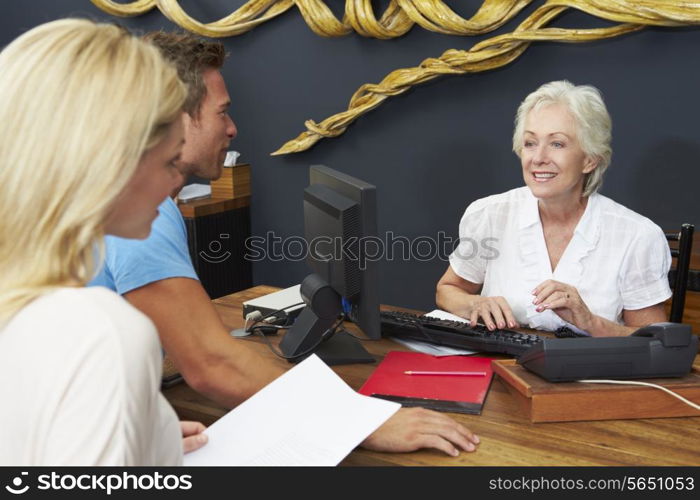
(156, 275)
(208, 126)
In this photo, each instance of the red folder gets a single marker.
(451, 393)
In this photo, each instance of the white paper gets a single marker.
(307, 417)
(194, 191)
(440, 314)
(432, 349)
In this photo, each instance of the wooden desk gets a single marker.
(507, 437)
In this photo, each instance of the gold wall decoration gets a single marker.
(359, 16)
(434, 15)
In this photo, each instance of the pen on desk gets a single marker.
(461, 374)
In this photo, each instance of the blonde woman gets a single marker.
(90, 136)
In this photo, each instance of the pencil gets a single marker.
(460, 374)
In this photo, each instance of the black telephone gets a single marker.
(670, 334)
(656, 350)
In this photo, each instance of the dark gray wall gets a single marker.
(438, 147)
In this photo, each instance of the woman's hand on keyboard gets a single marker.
(411, 429)
(494, 311)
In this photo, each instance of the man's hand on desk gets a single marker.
(411, 429)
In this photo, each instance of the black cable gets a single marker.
(326, 335)
(273, 313)
(418, 326)
(268, 329)
(361, 339)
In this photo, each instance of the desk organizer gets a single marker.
(233, 183)
(544, 401)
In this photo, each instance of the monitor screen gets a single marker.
(340, 218)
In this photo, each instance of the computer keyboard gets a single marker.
(456, 334)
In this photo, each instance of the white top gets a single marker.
(616, 259)
(80, 373)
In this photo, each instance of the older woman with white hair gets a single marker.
(565, 255)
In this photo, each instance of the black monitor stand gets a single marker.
(311, 331)
(343, 349)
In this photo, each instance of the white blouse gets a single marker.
(617, 259)
(80, 372)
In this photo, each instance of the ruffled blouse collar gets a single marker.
(534, 258)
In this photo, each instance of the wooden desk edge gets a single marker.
(208, 206)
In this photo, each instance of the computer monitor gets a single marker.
(340, 218)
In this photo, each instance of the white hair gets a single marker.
(593, 125)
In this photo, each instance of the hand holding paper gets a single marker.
(193, 437)
(308, 416)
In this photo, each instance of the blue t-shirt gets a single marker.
(131, 264)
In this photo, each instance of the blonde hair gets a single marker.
(593, 124)
(80, 103)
